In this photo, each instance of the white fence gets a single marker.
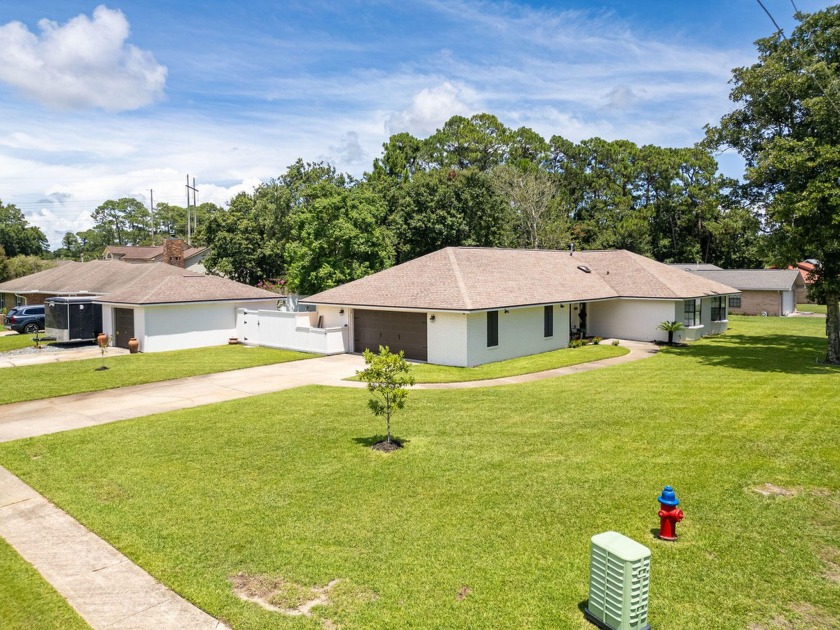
(290, 331)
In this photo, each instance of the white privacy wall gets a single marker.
(631, 319)
(520, 334)
(447, 338)
(290, 330)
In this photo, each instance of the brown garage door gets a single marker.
(398, 331)
(123, 326)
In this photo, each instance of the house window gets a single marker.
(718, 308)
(548, 321)
(734, 301)
(691, 314)
(492, 328)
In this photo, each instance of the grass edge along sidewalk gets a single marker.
(27, 600)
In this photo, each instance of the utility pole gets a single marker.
(189, 223)
(195, 208)
(152, 212)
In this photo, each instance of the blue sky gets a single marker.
(111, 100)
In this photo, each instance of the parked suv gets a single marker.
(26, 319)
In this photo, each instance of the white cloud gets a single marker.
(431, 107)
(85, 63)
(348, 152)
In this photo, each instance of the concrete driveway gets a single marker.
(52, 415)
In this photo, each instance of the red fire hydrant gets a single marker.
(669, 514)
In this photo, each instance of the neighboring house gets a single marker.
(164, 307)
(467, 306)
(806, 269)
(174, 251)
(695, 266)
(763, 291)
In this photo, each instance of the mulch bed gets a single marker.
(387, 447)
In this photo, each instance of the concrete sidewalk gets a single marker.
(105, 587)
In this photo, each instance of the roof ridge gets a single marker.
(456, 269)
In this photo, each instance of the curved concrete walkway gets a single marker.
(105, 587)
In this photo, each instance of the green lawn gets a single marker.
(33, 382)
(428, 373)
(27, 601)
(15, 342)
(811, 308)
(484, 519)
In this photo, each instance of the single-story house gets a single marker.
(163, 306)
(174, 251)
(806, 270)
(763, 291)
(466, 306)
(695, 266)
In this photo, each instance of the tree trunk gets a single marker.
(388, 419)
(832, 328)
(670, 337)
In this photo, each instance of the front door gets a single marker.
(577, 322)
(123, 326)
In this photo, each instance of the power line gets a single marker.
(797, 51)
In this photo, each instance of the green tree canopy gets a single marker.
(785, 125)
(17, 237)
(337, 236)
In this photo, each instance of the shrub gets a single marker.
(615, 342)
(596, 340)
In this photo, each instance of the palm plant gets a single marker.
(671, 328)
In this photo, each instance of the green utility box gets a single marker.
(619, 575)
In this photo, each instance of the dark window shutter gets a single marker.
(492, 328)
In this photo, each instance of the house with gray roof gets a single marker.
(163, 306)
(466, 306)
(762, 291)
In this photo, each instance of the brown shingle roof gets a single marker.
(187, 288)
(96, 276)
(467, 278)
(146, 252)
(151, 283)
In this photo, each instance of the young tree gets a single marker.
(785, 125)
(388, 377)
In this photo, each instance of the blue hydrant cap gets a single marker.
(668, 496)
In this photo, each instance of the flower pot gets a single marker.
(101, 339)
(233, 341)
(133, 345)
